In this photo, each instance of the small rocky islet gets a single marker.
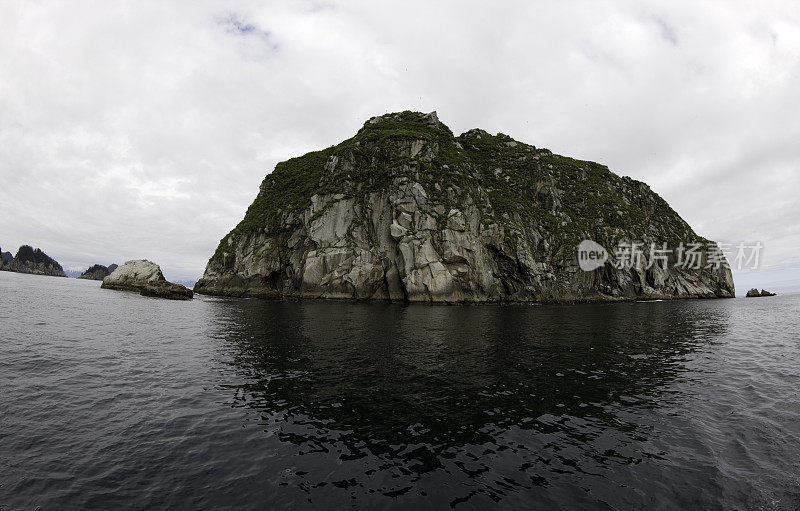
(407, 211)
(98, 272)
(753, 293)
(145, 277)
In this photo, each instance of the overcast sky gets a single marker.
(143, 129)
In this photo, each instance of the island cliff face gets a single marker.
(406, 211)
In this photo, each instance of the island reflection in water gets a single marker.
(391, 405)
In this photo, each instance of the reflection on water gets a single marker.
(111, 400)
(445, 405)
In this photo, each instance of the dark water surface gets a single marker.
(110, 400)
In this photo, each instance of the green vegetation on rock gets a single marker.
(525, 186)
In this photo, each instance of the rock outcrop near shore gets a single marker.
(146, 278)
(33, 261)
(407, 211)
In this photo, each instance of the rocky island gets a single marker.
(145, 277)
(754, 293)
(406, 211)
(33, 261)
(97, 272)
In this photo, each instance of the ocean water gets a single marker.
(110, 400)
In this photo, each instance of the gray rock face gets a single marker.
(423, 228)
(146, 278)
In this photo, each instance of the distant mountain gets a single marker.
(112, 268)
(34, 262)
(73, 274)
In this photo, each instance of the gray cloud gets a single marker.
(144, 130)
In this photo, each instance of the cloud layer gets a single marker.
(144, 129)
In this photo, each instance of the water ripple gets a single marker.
(113, 400)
